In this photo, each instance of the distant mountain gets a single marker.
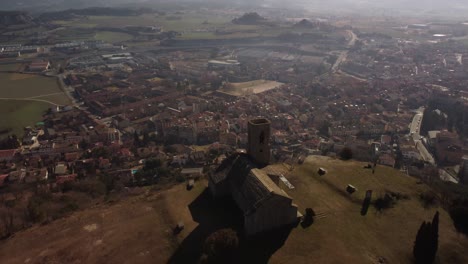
(249, 19)
(304, 23)
(8, 18)
(93, 11)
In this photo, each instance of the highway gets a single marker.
(344, 54)
(415, 133)
(415, 126)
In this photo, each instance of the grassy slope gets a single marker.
(19, 114)
(344, 236)
(138, 229)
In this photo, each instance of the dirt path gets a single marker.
(30, 99)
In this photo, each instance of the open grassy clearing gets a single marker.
(19, 114)
(343, 235)
(18, 85)
(27, 31)
(135, 230)
(74, 23)
(10, 67)
(112, 37)
(187, 24)
(39, 92)
(178, 24)
(68, 34)
(58, 98)
(253, 87)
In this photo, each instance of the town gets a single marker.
(165, 98)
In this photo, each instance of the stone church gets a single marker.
(264, 204)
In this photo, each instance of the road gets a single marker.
(415, 127)
(415, 133)
(344, 54)
(353, 39)
(352, 76)
(30, 99)
(339, 60)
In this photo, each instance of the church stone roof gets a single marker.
(249, 186)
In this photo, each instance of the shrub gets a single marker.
(308, 217)
(346, 154)
(220, 246)
(35, 211)
(70, 206)
(459, 215)
(385, 202)
(95, 188)
(428, 198)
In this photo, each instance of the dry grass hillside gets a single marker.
(139, 229)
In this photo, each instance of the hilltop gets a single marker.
(249, 19)
(139, 228)
(8, 18)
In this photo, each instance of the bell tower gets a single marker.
(259, 140)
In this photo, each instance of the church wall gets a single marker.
(273, 213)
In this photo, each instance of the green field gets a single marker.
(18, 85)
(112, 37)
(19, 114)
(25, 97)
(187, 24)
(9, 67)
(68, 34)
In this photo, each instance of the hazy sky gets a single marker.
(362, 6)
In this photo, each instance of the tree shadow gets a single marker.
(260, 248)
(212, 215)
(365, 206)
(307, 223)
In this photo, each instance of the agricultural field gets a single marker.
(191, 26)
(69, 34)
(19, 114)
(10, 67)
(186, 21)
(143, 224)
(25, 97)
(17, 85)
(112, 37)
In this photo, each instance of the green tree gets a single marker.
(83, 144)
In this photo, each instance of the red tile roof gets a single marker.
(8, 153)
(65, 178)
(2, 179)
